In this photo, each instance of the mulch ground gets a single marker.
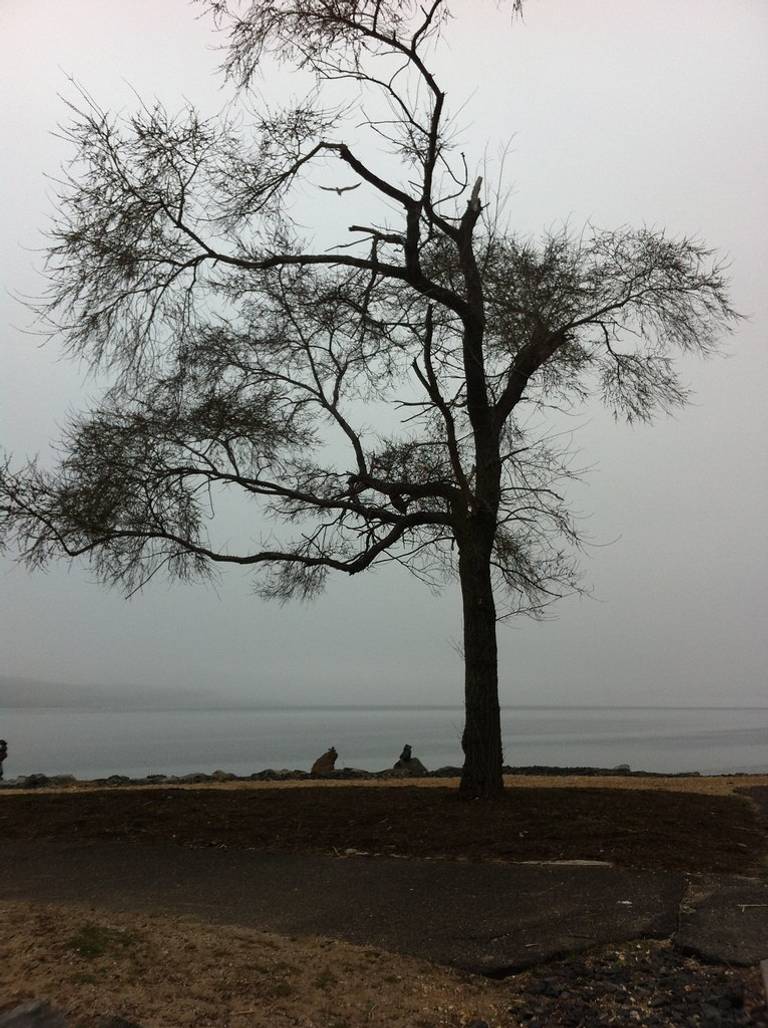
(639, 828)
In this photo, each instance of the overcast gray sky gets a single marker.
(618, 113)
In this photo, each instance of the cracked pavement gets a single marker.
(492, 918)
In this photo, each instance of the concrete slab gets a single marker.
(725, 920)
(491, 918)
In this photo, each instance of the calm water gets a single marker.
(90, 743)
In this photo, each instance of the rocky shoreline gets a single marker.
(39, 780)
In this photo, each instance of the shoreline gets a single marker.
(449, 777)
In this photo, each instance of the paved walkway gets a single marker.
(489, 917)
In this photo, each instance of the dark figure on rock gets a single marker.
(410, 764)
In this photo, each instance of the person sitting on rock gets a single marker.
(409, 764)
(325, 764)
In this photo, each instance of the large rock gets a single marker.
(36, 781)
(284, 775)
(35, 1013)
(325, 764)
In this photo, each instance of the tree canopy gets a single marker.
(242, 358)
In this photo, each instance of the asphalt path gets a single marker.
(491, 918)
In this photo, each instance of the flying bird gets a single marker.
(340, 189)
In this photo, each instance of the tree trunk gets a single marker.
(481, 741)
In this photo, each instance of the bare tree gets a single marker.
(241, 358)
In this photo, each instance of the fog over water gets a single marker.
(98, 743)
(618, 114)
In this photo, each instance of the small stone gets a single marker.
(711, 1016)
(612, 987)
(535, 989)
(544, 987)
(733, 999)
(116, 1022)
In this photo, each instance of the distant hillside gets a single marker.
(29, 692)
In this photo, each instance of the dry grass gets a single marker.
(167, 972)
